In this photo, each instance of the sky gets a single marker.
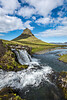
(47, 19)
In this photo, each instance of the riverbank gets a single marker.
(48, 50)
(63, 58)
(45, 51)
(8, 60)
(62, 83)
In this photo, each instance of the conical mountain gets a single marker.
(26, 33)
(28, 39)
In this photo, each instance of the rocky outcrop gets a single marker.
(28, 49)
(60, 80)
(2, 49)
(62, 83)
(9, 94)
(8, 59)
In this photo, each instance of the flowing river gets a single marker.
(35, 82)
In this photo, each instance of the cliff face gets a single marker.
(2, 49)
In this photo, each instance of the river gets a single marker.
(35, 82)
(51, 59)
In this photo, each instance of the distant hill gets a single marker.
(28, 39)
(59, 43)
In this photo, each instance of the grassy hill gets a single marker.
(28, 39)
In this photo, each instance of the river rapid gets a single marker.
(35, 82)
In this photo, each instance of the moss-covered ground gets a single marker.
(63, 58)
(8, 62)
(9, 94)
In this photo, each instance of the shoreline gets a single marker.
(48, 50)
(62, 58)
(45, 51)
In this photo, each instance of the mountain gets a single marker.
(26, 33)
(65, 42)
(28, 39)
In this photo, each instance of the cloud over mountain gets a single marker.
(21, 14)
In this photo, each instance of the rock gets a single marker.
(2, 49)
(62, 83)
(9, 94)
(20, 47)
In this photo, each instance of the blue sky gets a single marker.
(47, 19)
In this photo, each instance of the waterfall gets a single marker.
(24, 58)
(33, 82)
(30, 76)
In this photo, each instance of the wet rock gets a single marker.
(62, 83)
(20, 47)
(9, 94)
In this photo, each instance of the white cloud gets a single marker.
(45, 20)
(8, 23)
(8, 6)
(44, 7)
(26, 12)
(34, 18)
(60, 31)
(27, 25)
(54, 21)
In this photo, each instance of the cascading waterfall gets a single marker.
(30, 76)
(24, 58)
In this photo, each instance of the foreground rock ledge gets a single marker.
(62, 83)
(9, 94)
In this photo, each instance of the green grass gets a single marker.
(36, 44)
(63, 58)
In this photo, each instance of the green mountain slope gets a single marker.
(28, 39)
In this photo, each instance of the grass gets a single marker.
(63, 58)
(36, 44)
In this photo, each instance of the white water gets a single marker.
(31, 76)
(24, 58)
(24, 78)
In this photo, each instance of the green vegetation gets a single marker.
(7, 62)
(63, 58)
(9, 94)
(28, 39)
(36, 44)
